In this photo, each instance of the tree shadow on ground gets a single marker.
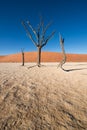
(68, 70)
(77, 64)
(35, 66)
(31, 66)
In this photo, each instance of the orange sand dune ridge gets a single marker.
(45, 57)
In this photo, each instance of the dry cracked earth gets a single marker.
(44, 98)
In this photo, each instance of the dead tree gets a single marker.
(22, 51)
(38, 36)
(63, 52)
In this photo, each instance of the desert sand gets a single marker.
(45, 57)
(45, 98)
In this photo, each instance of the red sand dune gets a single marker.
(45, 57)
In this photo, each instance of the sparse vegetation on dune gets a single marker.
(45, 98)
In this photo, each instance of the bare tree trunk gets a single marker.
(22, 58)
(63, 52)
(39, 56)
(64, 56)
(62, 62)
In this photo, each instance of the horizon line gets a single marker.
(42, 51)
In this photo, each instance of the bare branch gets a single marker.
(48, 38)
(33, 30)
(40, 28)
(38, 33)
(48, 25)
(62, 43)
(29, 34)
(44, 31)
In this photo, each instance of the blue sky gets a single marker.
(69, 18)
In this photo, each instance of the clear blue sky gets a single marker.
(69, 18)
